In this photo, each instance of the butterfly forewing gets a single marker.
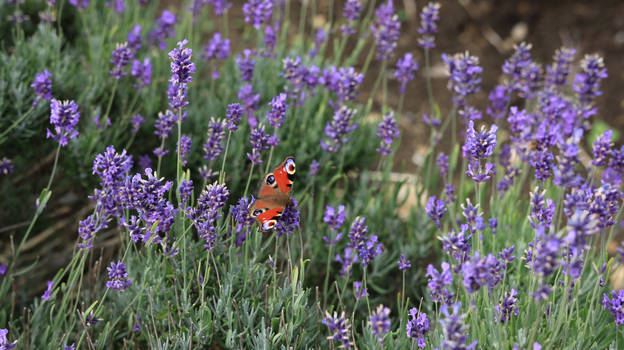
(273, 195)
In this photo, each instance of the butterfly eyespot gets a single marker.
(269, 224)
(270, 179)
(290, 166)
(257, 212)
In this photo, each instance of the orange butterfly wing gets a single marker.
(273, 195)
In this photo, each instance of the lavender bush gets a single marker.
(162, 123)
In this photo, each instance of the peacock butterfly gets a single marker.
(273, 195)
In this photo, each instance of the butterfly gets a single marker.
(273, 195)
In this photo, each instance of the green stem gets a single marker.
(227, 146)
(16, 123)
(249, 179)
(56, 157)
(428, 80)
(326, 282)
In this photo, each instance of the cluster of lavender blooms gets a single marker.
(338, 328)
(380, 322)
(360, 248)
(387, 131)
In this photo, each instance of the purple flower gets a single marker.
(98, 122)
(602, 148)
(336, 131)
(278, 111)
(64, 118)
(454, 328)
(118, 6)
(136, 122)
(314, 168)
(181, 70)
(387, 130)
(493, 224)
(352, 11)
(118, 277)
(508, 307)
(429, 17)
(91, 320)
(465, 76)
(121, 57)
(499, 99)
(220, 6)
(185, 148)
(543, 255)
(380, 322)
(542, 161)
(4, 342)
(479, 174)
(71, 347)
(142, 72)
(516, 67)
(436, 208)
(259, 142)
(216, 133)
(111, 166)
(186, 190)
(587, 83)
(557, 73)
(48, 292)
(359, 290)
(165, 123)
(369, 249)
(405, 69)
(258, 12)
(338, 328)
(164, 29)
(615, 304)
(270, 37)
(471, 214)
(246, 65)
(233, 115)
(344, 82)
(438, 281)
(418, 326)
(481, 144)
(458, 244)
(357, 233)
(6, 167)
(250, 103)
(243, 220)
(443, 163)
(42, 86)
(334, 218)
(134, 38)
(79, 4)
(289, 220)
(138, 325)
(217, 48)
(208, 211)
(385, 30)
(3, 269)
(404, 264)
(319, 38)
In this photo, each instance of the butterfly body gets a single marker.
(273, 195)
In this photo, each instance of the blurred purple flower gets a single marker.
(164, 29)
(587, 83)
(48, 292)
(257, 12)
(615, 304)
(136, 122)
(246, 65)
(336, 130)
(557, 73)
(259, 142)
(386, 30)
(121, 57)
(250, 103)
(217, 48)
(220, 6)
(338, 328)
(436, 208)
(454, 328)
(465, 76)
(6, 167)
(404, 264)
(387, 130)
(185, 148)
(142, 72)
(508, 307)
(429, 17)
(134, 38)
(42, 86)
(380, 322)
(405, 68)
(334, 217)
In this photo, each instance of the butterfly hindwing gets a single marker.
(273, 195)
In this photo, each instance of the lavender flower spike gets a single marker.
(64, 118)
(121, 57)
(336, 131)
(380, 322)
(386, 30)
(387, 130)
(258, 12)
(338, 328)
(436, 208)
(5, 166)
(455, 330)
(465, 76)
(42, 86)
(587, 83)
(405, 68)
(418, 326)
(429, 17)
(118, 276)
